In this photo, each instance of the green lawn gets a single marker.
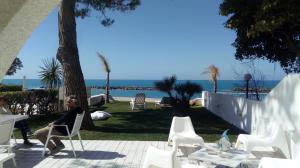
(150, 124)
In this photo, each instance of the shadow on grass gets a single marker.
(148, 124)
(159, 121)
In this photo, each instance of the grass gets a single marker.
(150, 124)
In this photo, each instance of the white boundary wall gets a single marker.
(280, 106)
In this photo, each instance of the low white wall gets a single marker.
(235, 110)
(281, 106)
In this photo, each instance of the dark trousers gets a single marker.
(23, 126)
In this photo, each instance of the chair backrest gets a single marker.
(6, 129)
(140, 98)
(181, 125)
(77, 123)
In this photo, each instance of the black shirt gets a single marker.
(67, 119)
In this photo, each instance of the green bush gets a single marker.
(10, 88)
(32, 101)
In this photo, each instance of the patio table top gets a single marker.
(7, 117)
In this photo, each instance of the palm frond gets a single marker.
(167, 84)
(104, 62)
(213, 71)
(51, 73)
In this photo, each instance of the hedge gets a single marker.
(10, 88)
(32, 102)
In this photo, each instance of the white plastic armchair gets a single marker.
(294, 162)
(75, 131)
(276, 138)
(156, 158)
(182, 128)
(138, 101)
(6, 130)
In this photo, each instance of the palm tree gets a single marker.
(107, 70)
(179, 94)
(51, 73)
(214, 73)
(166, 85)
(247, 78)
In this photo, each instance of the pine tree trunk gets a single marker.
(107, 89)
(67, 54)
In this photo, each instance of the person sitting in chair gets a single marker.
(67, 119)
(22, 125)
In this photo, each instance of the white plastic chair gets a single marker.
(6, 130)
(275, 138)
(267, 162)
(138, 101)
(75, 131)
(164, 102)
(294, 162)
(6, 111)
(182, 128)
(156, 158)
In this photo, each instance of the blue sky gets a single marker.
(160, 38)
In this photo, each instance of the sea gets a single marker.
(224, 86)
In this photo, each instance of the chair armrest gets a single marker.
(54, 125)
(60, 126)
(7, 147)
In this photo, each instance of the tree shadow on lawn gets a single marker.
(146, 121)
(159, 121)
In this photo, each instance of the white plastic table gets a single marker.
(211, 154)
(7, 117)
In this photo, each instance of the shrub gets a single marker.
(180, 94)
(10, 88)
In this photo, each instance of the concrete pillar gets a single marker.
(204, 98)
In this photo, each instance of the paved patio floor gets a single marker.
(98, 153)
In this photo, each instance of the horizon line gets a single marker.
(151, 79)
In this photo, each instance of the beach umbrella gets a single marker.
(18, 20)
